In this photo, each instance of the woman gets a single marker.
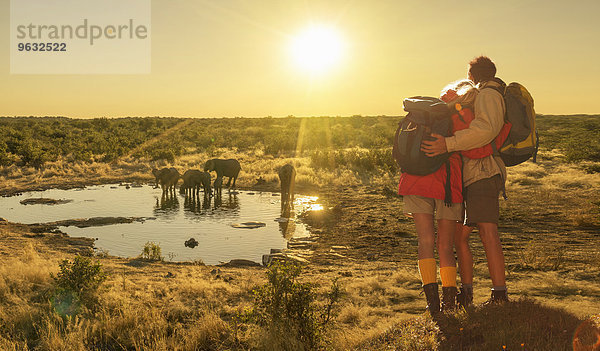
(424, 200)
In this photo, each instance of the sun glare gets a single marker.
(317, 48)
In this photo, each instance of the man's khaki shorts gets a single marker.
(481, 201)
(420, 204)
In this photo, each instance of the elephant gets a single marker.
(224, 168)
(287, 177)
(167, 178)
(193, 179)
(218, 185)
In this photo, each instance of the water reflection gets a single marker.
(195, 203)
(176, 220)
(287, 226)
(167, 206)
(232, 202)
(198, 205)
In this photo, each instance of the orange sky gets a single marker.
(226, 58)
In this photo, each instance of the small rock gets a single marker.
(300, 245)
(268, 259)
(215, 271)
(191, 243)
(297, 259)
(240, 263)
(372, 257)
(170, 275)
(249, 225)
(227, 278)
(346, 274)
(337, 247)
(44, 201)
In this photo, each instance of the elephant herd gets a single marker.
(194, 180)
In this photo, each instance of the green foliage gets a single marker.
(152, 252)
(288, 308)
(80, 276)
(359, 160)
(77, 282)
(34, 141)
(578, 137)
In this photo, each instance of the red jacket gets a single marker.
(433, 185)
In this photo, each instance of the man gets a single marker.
(483, 179)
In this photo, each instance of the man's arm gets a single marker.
(489, 119)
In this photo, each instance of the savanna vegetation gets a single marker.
(360, 289)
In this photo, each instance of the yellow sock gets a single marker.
(448, 275)
(428, 270)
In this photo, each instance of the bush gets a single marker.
(80, 276)
(77, 281)
(288, 310)
(152, 252)
(359, 160)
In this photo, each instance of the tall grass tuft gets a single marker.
(152, 252)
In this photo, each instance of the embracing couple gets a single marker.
(476, 178)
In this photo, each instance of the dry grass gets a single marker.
(142, 309)
(549, 229)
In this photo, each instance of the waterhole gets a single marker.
(217, 225)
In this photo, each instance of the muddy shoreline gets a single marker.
(272, 187)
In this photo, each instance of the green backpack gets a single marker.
(522, 142)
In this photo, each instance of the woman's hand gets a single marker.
(434, 147)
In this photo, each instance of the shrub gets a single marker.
(152, 252)
(80, 276)
(359, 160)
(76, 282)
(540, 256)
(288, 309)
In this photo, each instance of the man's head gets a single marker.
(481, 69)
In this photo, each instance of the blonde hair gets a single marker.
(465, 91)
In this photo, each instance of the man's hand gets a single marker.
(434, 147)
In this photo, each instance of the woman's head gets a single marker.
(462, 91)
(481, 69)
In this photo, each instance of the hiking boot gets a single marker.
(498, 296)
(465, 297)
(448, 298)
(433, 298)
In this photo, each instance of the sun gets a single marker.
(317, 49)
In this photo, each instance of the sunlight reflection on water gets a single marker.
(170, 221)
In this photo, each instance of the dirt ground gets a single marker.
(362, 234)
